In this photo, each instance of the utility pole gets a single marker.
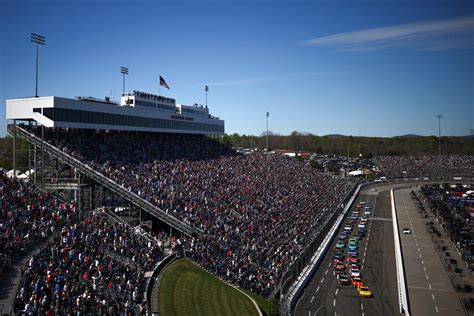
(347, 168)
(38, 40)
(268, 114)
(14, 149)
(439, 117)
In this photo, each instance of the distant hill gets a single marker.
(335, 136)
(409, 136)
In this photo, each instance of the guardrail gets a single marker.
(103, 180)
(154, 279)
(402, 289)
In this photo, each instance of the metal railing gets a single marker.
(106, 182)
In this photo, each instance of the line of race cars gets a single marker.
(347, 269)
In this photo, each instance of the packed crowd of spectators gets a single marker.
(94, 267)
(27, 216)
(431, 166)
(257, 212)
(453, 206)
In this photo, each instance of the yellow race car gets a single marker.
(364, 291)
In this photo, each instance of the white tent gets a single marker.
(22, 176)
(10, 173)
(30, 172)
(356, 173)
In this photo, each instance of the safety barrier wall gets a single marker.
(153, 279)
(402, 289)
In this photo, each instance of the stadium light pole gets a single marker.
(123, 71)
(38, 40)
(439, 117)
(206, 89)
(268, 114)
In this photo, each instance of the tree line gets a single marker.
(354, 146)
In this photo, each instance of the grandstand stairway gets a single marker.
(104, 181)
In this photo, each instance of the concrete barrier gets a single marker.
(402, 288)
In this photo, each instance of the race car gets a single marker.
(364, 291)
(339, 270)
(343, 279)
(354, 272)
(356, 282)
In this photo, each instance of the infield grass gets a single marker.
(186, 289)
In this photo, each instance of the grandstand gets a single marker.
(145, 172)
(443, 167)
(227, 210)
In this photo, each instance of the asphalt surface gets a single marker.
(429, 289)
(325, 296)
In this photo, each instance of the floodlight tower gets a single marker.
(439, 117)
(123, 71)
(38, 40)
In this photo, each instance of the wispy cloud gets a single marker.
(426, 35)
(238, 82)
(241, 82)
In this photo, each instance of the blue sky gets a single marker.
(374, 68)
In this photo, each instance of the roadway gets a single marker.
(429, 289)
(325, 296)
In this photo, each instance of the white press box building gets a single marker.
(137, 111)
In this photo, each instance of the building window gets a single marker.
(89, 117)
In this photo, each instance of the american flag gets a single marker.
(163, 83)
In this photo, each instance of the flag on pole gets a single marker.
(163, 83)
